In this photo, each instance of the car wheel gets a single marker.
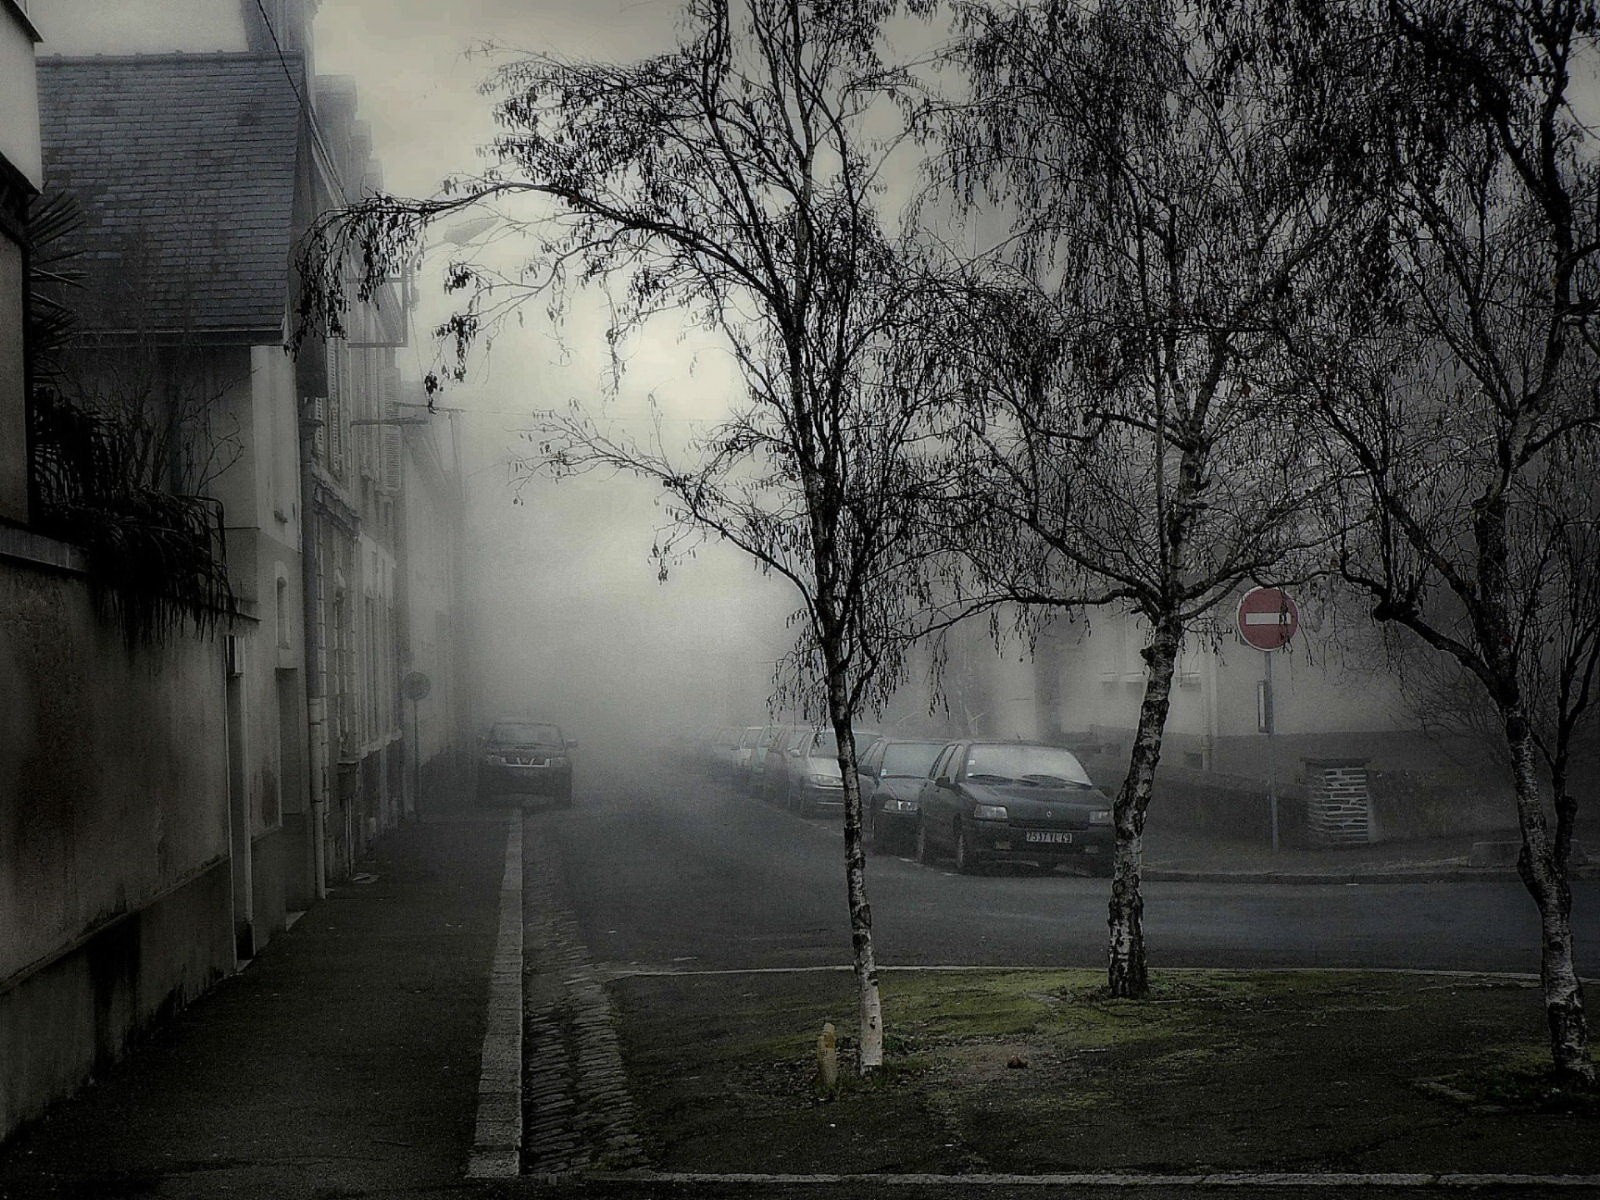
(924, 850)
(803, 806)
(966, 864)
(874, 838)
(1102, 865)
(564, 800)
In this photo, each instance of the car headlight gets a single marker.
(900, 806)
(1100, 816)
(989, 812)
(559, 760)
(826, 781)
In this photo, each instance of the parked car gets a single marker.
(987, 802)
(750, 745)
(891, 774)
(772, 781)
(814, 783)
(722, 749)
(524, 758)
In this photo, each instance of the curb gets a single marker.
(497, 1133)
(1416, 875)
(1216, 1179)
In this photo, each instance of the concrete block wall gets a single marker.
(1338, 803)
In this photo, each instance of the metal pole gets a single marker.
(1272, 755)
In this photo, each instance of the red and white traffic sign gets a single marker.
(1268, 618)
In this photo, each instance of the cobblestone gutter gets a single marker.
(578, 1114)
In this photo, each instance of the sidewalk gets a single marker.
(344, 1061)
(1179, 857)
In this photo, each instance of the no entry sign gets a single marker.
(1267, 618)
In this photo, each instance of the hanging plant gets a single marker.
(156, 556)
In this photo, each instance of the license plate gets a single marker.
(1041, 835)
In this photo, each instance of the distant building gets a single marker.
(433, 525)
(1344, 725)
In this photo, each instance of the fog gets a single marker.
(570, 620)
(569, 617)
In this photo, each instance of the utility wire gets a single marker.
(282, 61)
(299, 99)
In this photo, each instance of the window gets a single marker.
(869, 761)
(911, 760)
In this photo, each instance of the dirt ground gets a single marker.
(1038, 1072)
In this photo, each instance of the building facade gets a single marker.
(168, 799)
(116, 878)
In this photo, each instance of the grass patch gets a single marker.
(1041, 1071)
(1520, 1080)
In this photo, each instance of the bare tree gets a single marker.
(737, 180)
(1456, 372)
(1134, 448)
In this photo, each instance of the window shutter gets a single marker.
(391, 458)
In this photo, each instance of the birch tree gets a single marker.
(737, 181)
(1457, 372)
(1136, 450)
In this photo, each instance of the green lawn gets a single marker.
(1038, 1072)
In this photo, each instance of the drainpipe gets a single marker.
(316, 650)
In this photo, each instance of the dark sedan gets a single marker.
(988, 802)
(892, 772)
(525, 758)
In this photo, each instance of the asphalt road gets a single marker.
(666, 870)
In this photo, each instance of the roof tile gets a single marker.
(185, 166)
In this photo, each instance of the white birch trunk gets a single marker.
(855, 866)
(1544, 875)
(1127, 975)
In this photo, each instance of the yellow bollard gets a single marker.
(828, 1059)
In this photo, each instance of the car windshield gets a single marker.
(910, 759)
(516, 733)
(1035, 766)
(823, 745)
(750, 738)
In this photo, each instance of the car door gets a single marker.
(936, 803)
(867, 777)
(868, 770)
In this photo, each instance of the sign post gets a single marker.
(1267, 619)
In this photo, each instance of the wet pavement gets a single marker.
(345, 1061)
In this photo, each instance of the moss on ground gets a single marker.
(1041, 1071)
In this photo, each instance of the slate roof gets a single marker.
(185, 166)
